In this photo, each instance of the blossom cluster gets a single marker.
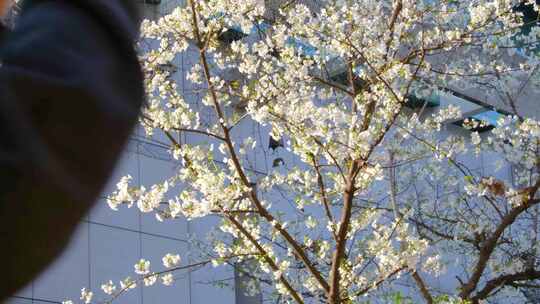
(372, 191)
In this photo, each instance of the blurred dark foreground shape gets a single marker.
(70, 93)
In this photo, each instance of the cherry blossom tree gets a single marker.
(377, 198)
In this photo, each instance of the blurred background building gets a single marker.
(108, 243)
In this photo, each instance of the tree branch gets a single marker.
(238, 167)
(422, 286)
(530, 274)
(488, 247)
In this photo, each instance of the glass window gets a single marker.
(490, 117)
(531, 21)
(481, 122)
(415, 102)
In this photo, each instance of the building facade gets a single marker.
(107, 243)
